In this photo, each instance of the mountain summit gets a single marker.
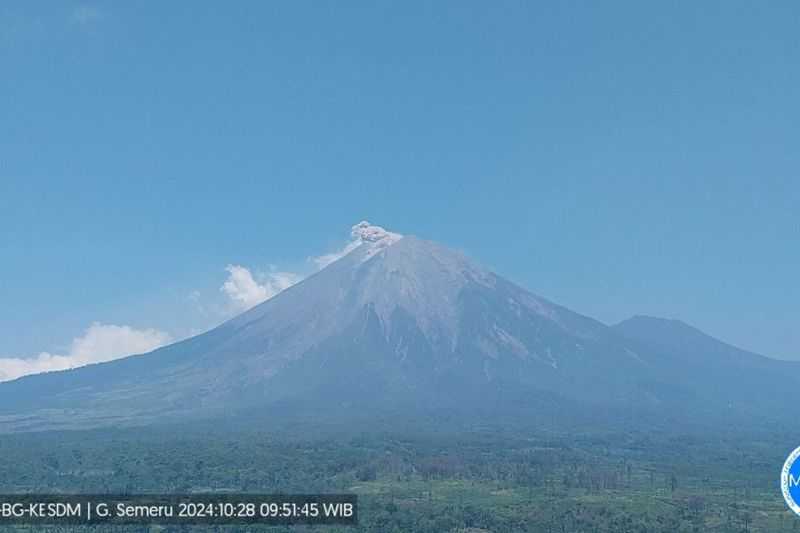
(401, 323)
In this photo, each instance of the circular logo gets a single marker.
(790, 481)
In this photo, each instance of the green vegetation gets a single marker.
(435, 481)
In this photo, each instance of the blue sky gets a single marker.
(616, 157)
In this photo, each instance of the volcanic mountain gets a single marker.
(404, 324)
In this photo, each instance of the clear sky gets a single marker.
(618, 158)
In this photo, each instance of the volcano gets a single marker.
(404, 324)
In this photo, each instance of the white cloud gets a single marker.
(245, 291)
(100, 342)
(324, 260)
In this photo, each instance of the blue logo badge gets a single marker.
(790, 481)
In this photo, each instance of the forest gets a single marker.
(432, 480)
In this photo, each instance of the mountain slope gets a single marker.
(399, 323)
(721, 374)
